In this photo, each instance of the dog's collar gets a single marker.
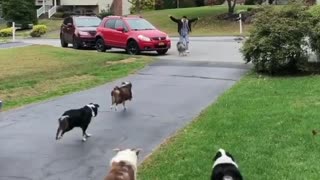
(92, 111)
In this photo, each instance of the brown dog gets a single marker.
(121, 94)
(124, 165)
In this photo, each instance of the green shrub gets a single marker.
(315, 11)
(104, 13)
(38, 30)
(278, 43)
(6, 32)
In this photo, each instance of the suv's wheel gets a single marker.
(63, 43)
(76, 44)
(162, 52)
(100, 46)
(133, 48)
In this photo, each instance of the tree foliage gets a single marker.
(19, 11)
(138, 5)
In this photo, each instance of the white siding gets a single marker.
(126, 7)
(103, 4)
(79, 2)
(47, 2)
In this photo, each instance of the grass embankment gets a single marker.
(264, 122)
(208, 25)
(35, 73)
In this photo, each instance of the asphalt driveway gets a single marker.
(166, 96)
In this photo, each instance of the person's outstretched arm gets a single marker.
(194, 19)
(173, 19)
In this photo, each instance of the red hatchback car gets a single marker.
(134, 34)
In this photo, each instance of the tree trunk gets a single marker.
(231, 6)
(138, 6)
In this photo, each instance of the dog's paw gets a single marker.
(84, 139)
(88, 135)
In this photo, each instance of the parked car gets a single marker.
(79, 31)
(134, 34)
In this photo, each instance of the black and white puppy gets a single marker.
(77, 118)
(225, 167)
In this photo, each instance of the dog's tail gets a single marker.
(62, 118)
(62, 126)
(114, 93)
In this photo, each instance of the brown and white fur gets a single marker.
(121, 94)
(124, 165)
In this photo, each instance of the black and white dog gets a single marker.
(77, 118)
(225, 167)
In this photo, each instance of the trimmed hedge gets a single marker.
(38, 30)
(6, 32)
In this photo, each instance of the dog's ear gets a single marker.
(96, 105)
(218, 154)
(228, 154)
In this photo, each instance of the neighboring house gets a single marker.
(118, 7)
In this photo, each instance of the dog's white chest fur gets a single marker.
(92, 111)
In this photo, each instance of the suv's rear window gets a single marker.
(140, 24)
(87, 22)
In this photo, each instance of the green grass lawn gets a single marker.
(53, 26)
(264, 122)
(207, 25)
(34, 73)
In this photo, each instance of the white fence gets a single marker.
(52, 11)
(40, 11)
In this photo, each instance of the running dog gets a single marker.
(124, 165)
(121, 94)
(77, 118)
(225, 167)
(182, 48)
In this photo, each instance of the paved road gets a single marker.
(13, 44)
(217, 49)
(167, 95)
